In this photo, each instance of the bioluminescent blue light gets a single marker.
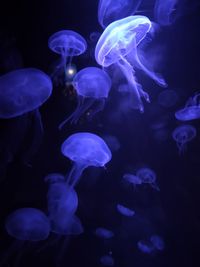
(182, 135)
(70, 72)
(163, 11)
(148, 176)
(84, 149)
(92, 85)
(28, 224)
(125, 211)
(107, 260)
(104, 233)
(145, 246)
(132, 179)
(22, 91)
(112, 10)
(167, 98)
(119, 40)
(191, 111)
(158, 242)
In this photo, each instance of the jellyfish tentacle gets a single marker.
(99, 107)
(75, 174)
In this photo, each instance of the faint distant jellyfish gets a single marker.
(182, 135)
(164, 11)
(125, 211)
(168, 98)
(132, 179)
(191, 111)
(84, 149)
(92, 85)
(104, 233)
(94, 36)
(112, 10)
(107, 260)
(67, 44)
(158, 242)
(120, 39)
(145, 246)
(148, 176)
(112, 142)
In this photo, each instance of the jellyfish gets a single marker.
(112, 142)
(107, 260)
(84, 149)
(164, 11)
(112, 10)
(148, 176)
(168, 98)
(132, 179)
(104, 233)
(92, 85)
(158, 242)
(67, 44)
(120, 40)
(191, 111)
(145, 246)
(182, 135)
(125, 211)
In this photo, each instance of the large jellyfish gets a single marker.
(182, 135)
(112, 10)
(67, 44)
(119, 40)
(191, 111)
(148, 176)
(164, 11)
(92, 85)
(84, 149)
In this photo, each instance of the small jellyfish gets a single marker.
(158, 242)
(164, 11)
(112, 10)
(84, 149)
(92, 85)
(119, 40)
(104, 233)
(107, 260)
(67, 44)
(112, 142)
(94, 36)
(148, 176)
(191, 111)
(125, 211)
(132, 179)
(145, 246)
(168, 98)
(182, 135)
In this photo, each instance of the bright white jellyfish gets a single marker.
(119, 40)
(107, 260)
(92, 85)
(67, 44)
(125, 211)
(191, 111)
(104, 233)
(84, 149)
(158, 242)
(148, 176)
(182, 135)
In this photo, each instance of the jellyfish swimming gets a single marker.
(67, 44)
(145, 246)
(92, 85)
(112, 10)
(167, 98)
(104, 233)
(132, 179)
(107, 260)
(148, 176)
(158, 242)
(164, 12)
(191, 111)
(120, 40)
(125, 211)
(182, 135)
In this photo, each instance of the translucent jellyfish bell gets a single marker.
(118, 41)
(182, 135)
(84, 149)
(104, 233)
(112, 10)
(92, 85)
(148, 176)
(132, 179)
(22, 91)
(125, 211)
(145, 246)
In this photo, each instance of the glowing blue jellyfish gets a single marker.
(148, 176)
(145, 246)
(132, 179)
(112, 10)
(182, 135)
(67, 44)
(84, 149)
(92, 86)
(158, 242)
(164, 11)
(104, 233)
(119, 40)
(107, 260)
(22, 91)
(191, 111)
(125, 211)
(168, 98)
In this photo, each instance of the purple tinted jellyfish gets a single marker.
(148, 176)
(22, 91)
(107, 260)
(145, 246)
(92, 86)
(67, 44)
(112, 10)
(119, 40)
(191, 111)
(158, 242)
(104, 233)
(132, 179)
(84, 149)
(125, 211)
(168, 98)
(183, 134)
(164, 11)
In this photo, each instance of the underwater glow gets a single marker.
(148, 176)
(119, 40)
(104, 233)
(145, 246)
(158, 242)
(92, 85)
(125, 211)
(163, 11)
(132, 179)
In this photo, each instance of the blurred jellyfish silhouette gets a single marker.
(84, 149)
(148, 176)
(145, 246)
(164, 12)
(132, 179)
(182, 135)
(112, 10)
(67, 44)
(107, 260)
(168, 98)
(157, 242)
(92, 85)
(125, 211)
(103, 233)
(112, 142)
(119, 41)
(191, 111)
(94, 36)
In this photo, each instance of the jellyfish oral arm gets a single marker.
(75, 173)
